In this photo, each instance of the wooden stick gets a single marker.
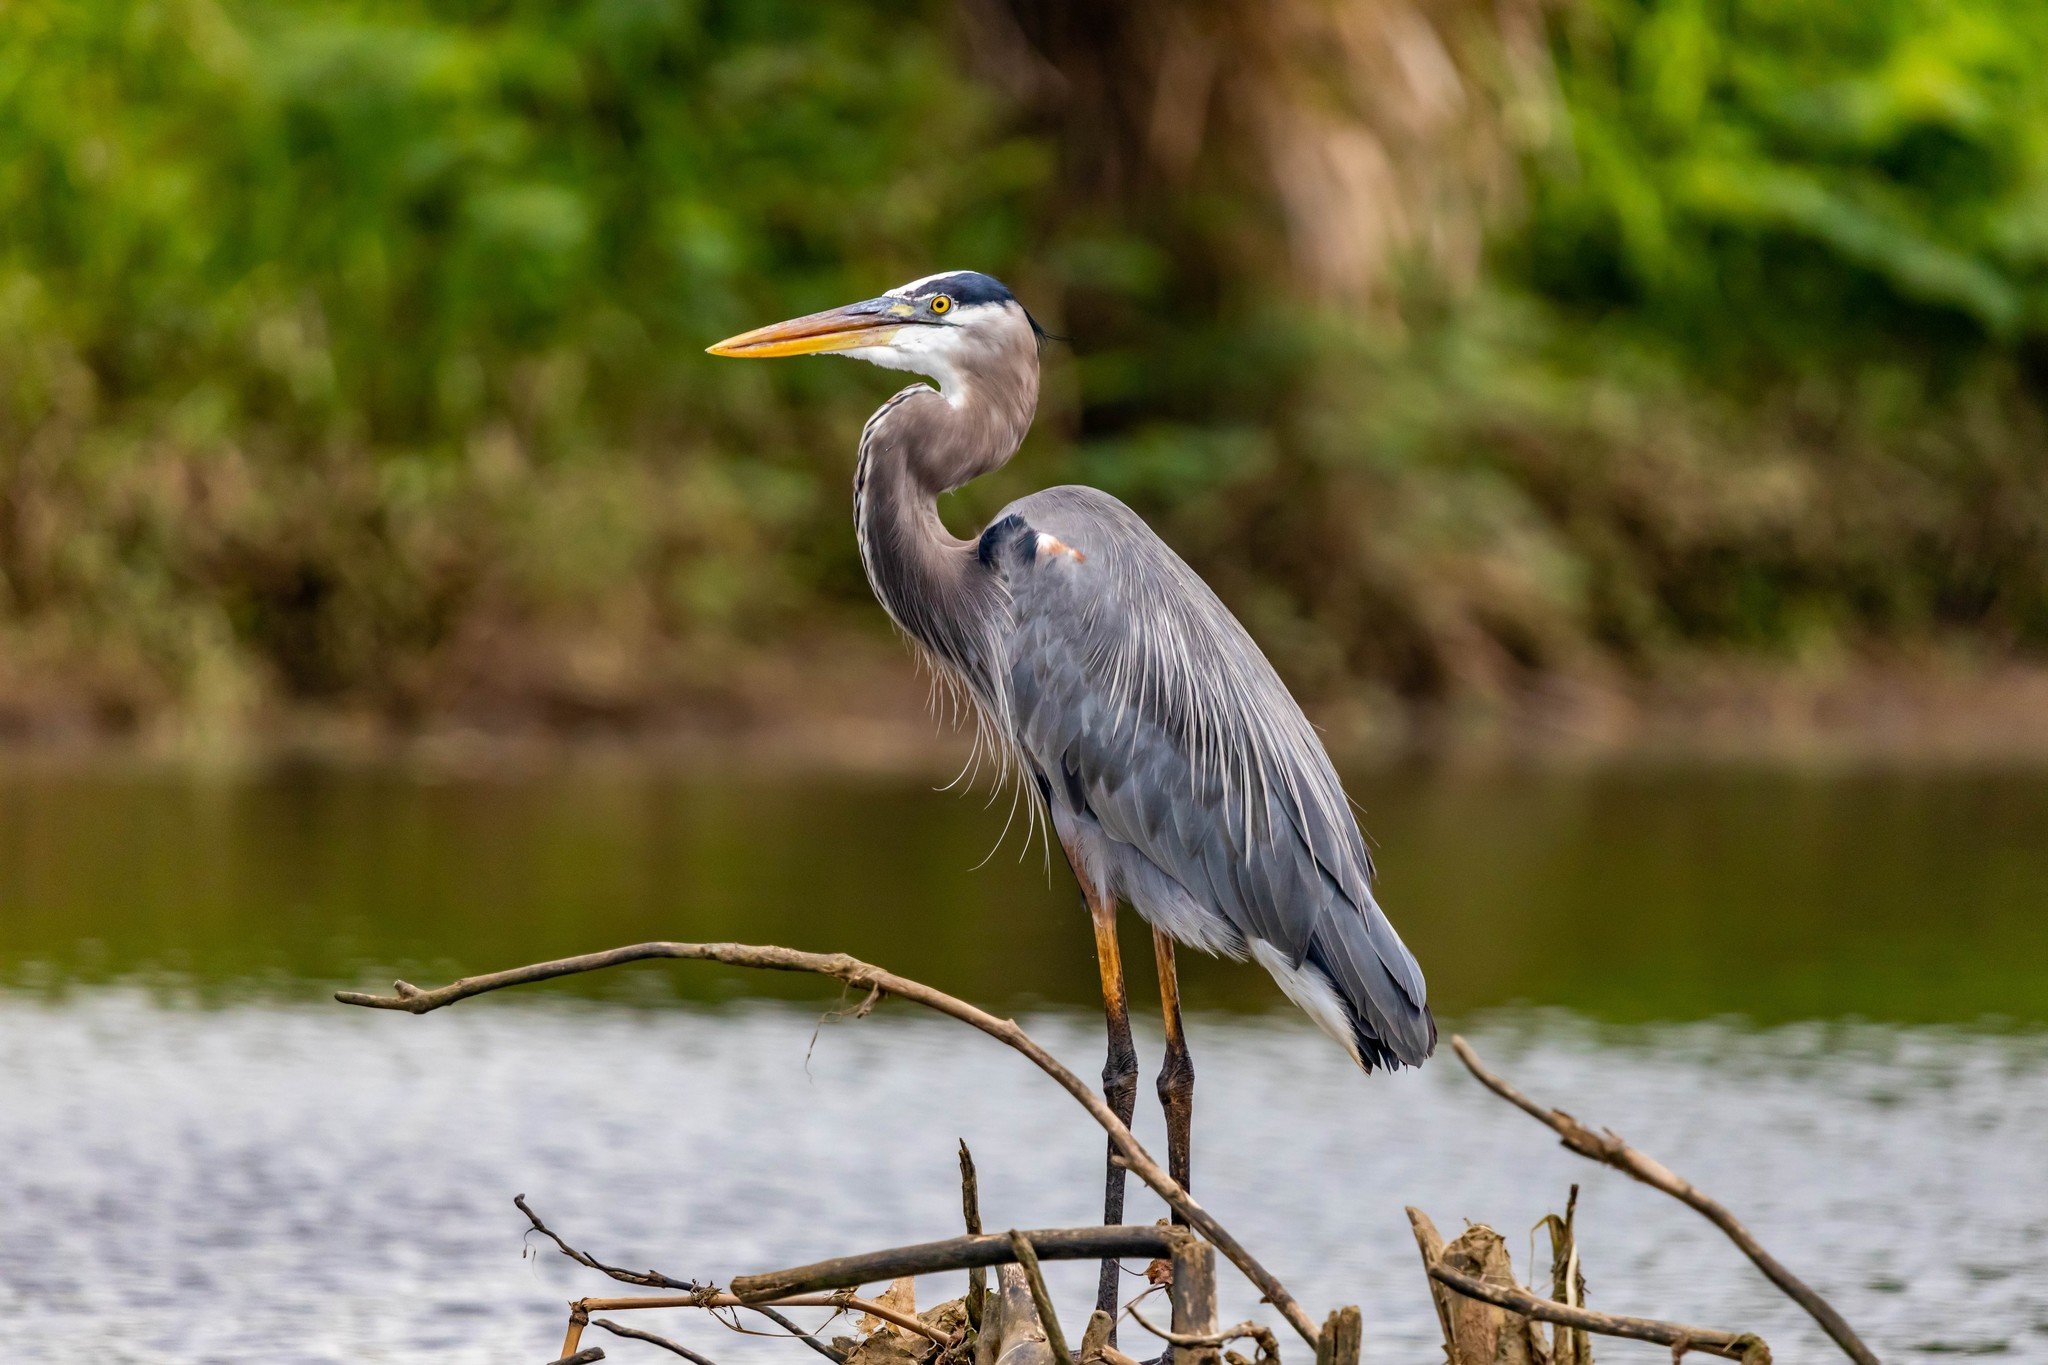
(970, 1211)
(1743, 1346)
(854, 972)
(619, 1329)
(1194, 1302)
(573, 1337)
(1055, 1335)
(956, 1253)
(1095, 1347)
(654, 1279)
(1094, 1337)
(716, 1299)
(1343, 1337)
(1608, 1149)
(1269, 1346)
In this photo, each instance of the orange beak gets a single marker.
(871, 323)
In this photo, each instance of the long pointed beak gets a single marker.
(870, 323)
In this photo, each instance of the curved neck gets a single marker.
(919, 444)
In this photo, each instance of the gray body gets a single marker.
(1178, 772)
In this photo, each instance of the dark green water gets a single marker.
(1624, 894)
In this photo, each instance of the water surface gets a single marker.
(1822, 996)
(1625, 894)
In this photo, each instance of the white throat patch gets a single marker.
(933, 348)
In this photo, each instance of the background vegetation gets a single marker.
(350, 352)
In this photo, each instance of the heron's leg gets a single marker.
(1177, 1073)
(1119, 1076)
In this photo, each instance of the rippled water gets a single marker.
(1823, 997)
(261, 1183)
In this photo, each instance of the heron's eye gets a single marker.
(941, 304)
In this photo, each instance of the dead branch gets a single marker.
(1055, 1335)
(573, 1337)
(958, 1253)
(1742, 1346)
(854, 972)
(1269, 1345)
(1192, 1291)
(1094, 1337)
(1476, 1332)
(619, 1329)
(712, 1298)
(654, 1279)
(1608, 1149)
(970, 1211)
(1343, 1337)
(582, 1357)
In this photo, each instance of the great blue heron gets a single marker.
(1178, 772)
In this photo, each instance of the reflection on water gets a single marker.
(1620, 894)
(305, 1184)
(1822, 996)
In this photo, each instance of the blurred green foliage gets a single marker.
(1796, 186)
(350, 352)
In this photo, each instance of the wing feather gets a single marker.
(1147, 705)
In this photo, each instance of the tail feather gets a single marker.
(1379, 984)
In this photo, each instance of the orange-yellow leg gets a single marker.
(1177, 1073)
(1119, 1077)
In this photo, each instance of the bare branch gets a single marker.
(1055, 1335)
(654, 1279)
(854, 972)
(909, 1322)
(619, 1329)
(970, 1211)
(1743, 1346)
(1269, 1345)
(717, 1298)
(957, 1253)
(1608, 1149)
(582, 1357)
(1095, 1347)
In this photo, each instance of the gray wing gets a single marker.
(1143, 704)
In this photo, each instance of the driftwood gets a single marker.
(1742, 1346)
(1014, 1327)
(1027, 1324)
(1041, 1298)
(1343, 1338)
(958, 1253)
(970, 1213)
(1476, 1331)
(1568, 1345)
(1608, 1149)
(656, 1280)
(878, 983)
(1488, 1319)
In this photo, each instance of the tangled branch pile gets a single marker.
(1487, 1318)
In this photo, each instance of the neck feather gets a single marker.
(918, 445)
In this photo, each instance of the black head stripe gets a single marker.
(969, 287)
(966, 287)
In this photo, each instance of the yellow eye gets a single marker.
(941, 304)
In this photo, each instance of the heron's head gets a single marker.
(961, 328)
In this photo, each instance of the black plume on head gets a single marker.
(967, 287)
